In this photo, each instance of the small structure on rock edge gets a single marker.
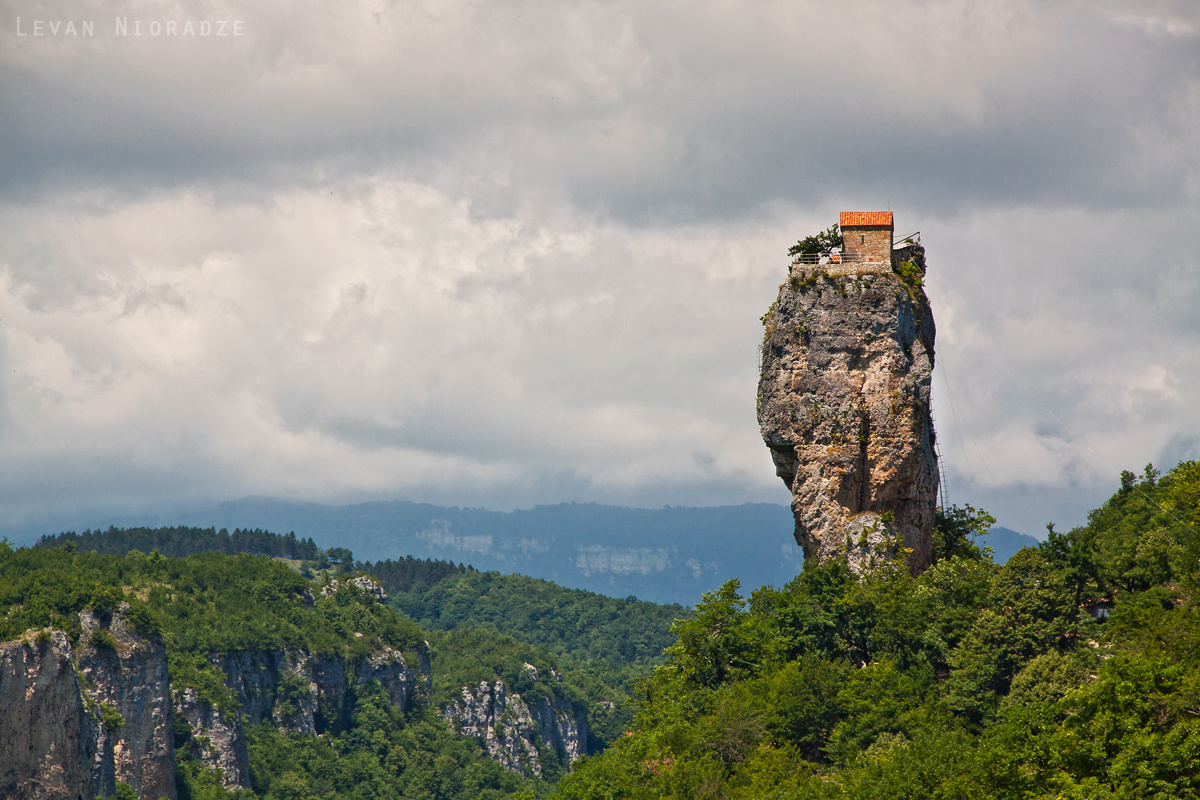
(867, 236)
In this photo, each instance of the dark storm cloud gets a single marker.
(645, 111)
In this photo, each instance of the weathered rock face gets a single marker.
(220, 738)
(401, 682)
(74, 721)
(77, 720)
(43, 713)
(511, 730)
(363, 583)
(274, 685)
(843, 406)
(297, 691)
(128, 674)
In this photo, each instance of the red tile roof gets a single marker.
(858, 218)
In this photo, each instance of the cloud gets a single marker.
(1066, 353)
(646, 111)
(377, 336)
(515, 252)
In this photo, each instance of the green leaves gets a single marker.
(955, 529)
(911, 274)
(971, 681)
(718, 642)
(806, 700)
(819, 244)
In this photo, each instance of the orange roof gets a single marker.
(857, 218)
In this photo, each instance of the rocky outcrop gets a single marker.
(365, 584)
(274, 685)
(520, 736)
(44, 714)
(126, 674)
(401, 682)
(76, 720)
(843, 405)
(297, 691)
(219, 737)
(563, 727)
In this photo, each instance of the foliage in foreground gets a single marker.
(971, 681)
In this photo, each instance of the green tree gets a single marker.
(717, 642)
(955, 530)
(819, 244)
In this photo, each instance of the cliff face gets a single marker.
(519, 735)
(298, 691)
(43, 713)
(220, 738)
(127, 674)
(843, 405)
(77, 720)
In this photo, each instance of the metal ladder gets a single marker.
(943, 500)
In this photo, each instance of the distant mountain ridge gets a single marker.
(1005, 542)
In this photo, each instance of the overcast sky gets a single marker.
(508, 253)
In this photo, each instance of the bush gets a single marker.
(102, 639)
(911, 274)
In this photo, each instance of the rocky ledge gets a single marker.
(522, 736)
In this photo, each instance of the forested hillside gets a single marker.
(573, 651)
(184, 541)
(207, 609)
(573, 622)
(1073, 671)
(603, 644)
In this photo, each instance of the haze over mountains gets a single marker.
(672, 554)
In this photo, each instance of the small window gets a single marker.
(862, 238)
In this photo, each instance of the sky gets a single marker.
(502, 254)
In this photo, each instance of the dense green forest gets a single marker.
(1073, 671)
(600, 645)
(571, 622)
(603, 644)
(438, 594)
(185, 541)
